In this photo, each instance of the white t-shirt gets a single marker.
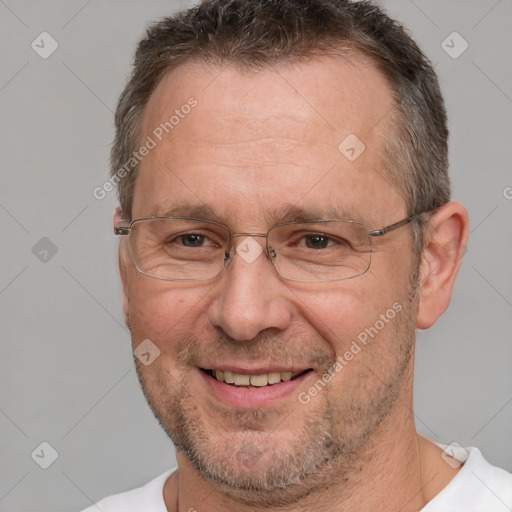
(477, 487)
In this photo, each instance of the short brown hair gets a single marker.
(257, 33)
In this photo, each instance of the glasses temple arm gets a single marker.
(121, 231)
(392, 227)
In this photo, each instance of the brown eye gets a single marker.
(192, 240)
(316, 241)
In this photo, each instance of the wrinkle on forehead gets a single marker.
(305, 95)
(270, 137)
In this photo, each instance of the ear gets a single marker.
(445, 244)
(123, 263)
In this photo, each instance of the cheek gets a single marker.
(341, 313)
(161, 311)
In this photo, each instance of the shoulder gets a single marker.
(148, 498)
(479, 486)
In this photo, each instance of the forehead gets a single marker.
(287, 133)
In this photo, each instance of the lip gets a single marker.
(260, 370)
(252, 398)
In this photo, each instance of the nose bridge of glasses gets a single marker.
(232, 247)
(264, 235)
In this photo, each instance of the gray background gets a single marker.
(66, 368)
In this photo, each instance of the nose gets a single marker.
(250, 297)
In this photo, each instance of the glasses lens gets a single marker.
(178, 249)
(321, 250)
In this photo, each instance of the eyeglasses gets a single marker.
(188, 249)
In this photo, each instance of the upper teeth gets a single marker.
(254, 380)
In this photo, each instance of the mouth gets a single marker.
(257, 390)
(260, 380)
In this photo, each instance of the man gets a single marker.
(285, 227)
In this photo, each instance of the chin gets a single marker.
(255, 461)
(262, 469)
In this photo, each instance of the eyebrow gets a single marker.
(202, 211)
(280, 215)
(295, 213)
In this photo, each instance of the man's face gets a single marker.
(256, 144)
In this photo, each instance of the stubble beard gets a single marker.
(269, 467)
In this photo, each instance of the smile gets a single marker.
(253, 381)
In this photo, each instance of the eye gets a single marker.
(191, 240)
(322, 241)
(317, 241)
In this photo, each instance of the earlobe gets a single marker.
(445, 244)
